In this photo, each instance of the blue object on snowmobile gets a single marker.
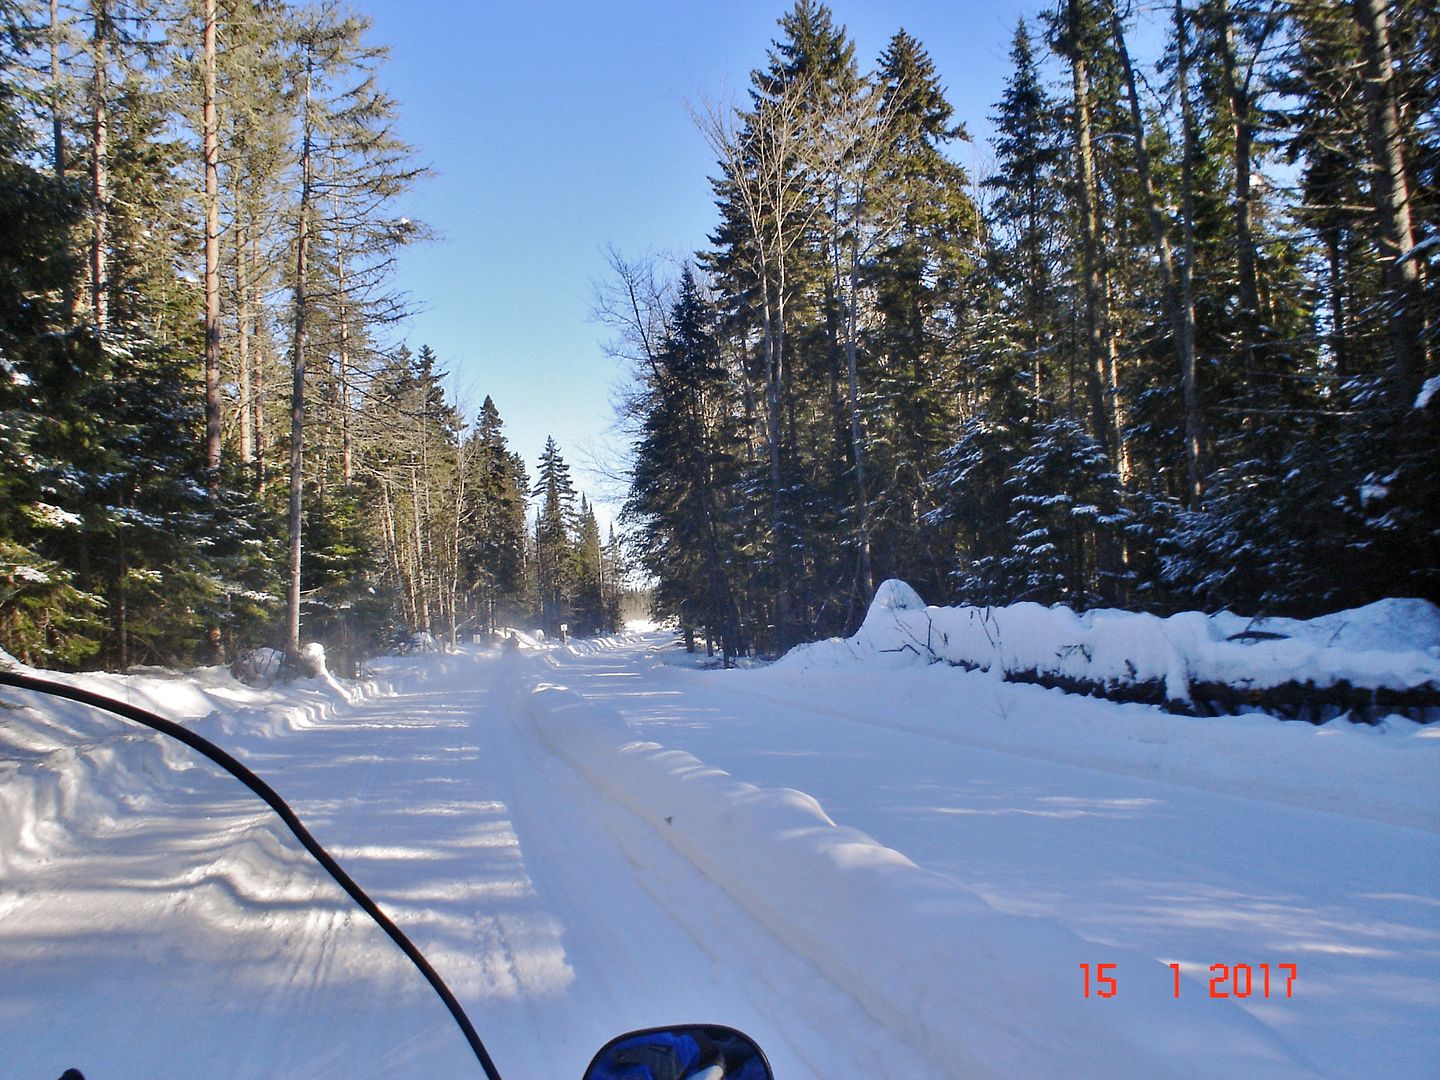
(692, 1052)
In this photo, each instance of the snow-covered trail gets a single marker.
(610, 929)
(182, 933)
(155, 922)
(1161, 843)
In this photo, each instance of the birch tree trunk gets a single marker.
(422, 614)
(392, 544)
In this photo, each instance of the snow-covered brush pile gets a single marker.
(266, 667)
(1365, 664)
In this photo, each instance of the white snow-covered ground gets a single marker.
(878, 869)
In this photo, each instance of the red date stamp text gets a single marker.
(1226, 980)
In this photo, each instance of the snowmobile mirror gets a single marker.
(690, 1052)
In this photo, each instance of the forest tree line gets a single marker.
(1175, 349)
(209, 437)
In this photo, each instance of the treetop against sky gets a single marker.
(556, 129)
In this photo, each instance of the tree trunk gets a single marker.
(1239, 99)
(722, 597)
(1182, 320)
(452, 586)
(1091, 273)
(857, 432)
(1390, 188)
(297, 386)
(56, 117)
(1335, 287)
(212, 254)
(1189, 381)
(57, 121)
(242, 351)
(99, 173)
(262, 443)
(423, 614)
(1034, 261)
(392, 544)
(347, 460)
(772, 322)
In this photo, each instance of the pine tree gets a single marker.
(495, 547)
(1027, 213)
(254, 196)
(555, 553)
(588, 603)
(47, 616)
(921, 281)
(685, 480)
(351, 167)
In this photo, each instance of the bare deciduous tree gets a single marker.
(772, 158)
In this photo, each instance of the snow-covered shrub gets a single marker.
(259, 667)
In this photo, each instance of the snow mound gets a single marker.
(67, 769)
(967, 986)
(1390, 647)
(895, 595)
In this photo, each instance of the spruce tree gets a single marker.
(1027, 215)
(685, 481)
(921, 281)
(555, 529)
(495, 547)
(47, 613)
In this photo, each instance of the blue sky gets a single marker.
(556, 128)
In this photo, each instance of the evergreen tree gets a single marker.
(556, 567)
(1027, 216)
(495, 547)
(47, 614)
(685, 481)
(922, 279)
(351, 168)
(588, 603)
(1065, 513)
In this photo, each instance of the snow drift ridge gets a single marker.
(962, 982)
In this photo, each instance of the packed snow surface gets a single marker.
(877, 869)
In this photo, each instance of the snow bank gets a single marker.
(980, 993)
(591, 645)
(1372, 660)
(66, 768)
(522, 639)
(1428, 392)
